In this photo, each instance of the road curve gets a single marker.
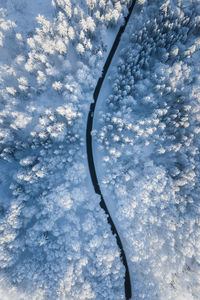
(127, 284)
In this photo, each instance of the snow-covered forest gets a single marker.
(148, 137)
(55, 241)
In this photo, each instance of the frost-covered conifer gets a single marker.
(149, 152)
(91, 4)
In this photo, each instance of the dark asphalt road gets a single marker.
(92, 170)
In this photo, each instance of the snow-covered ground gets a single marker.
(146, 148)
(24, 12)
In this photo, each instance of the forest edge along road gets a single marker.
(90, 158)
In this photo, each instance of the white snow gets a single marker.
(55, 242)
(146, 149)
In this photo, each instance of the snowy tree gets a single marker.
(147, 142)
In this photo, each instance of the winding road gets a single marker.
(90, 158)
